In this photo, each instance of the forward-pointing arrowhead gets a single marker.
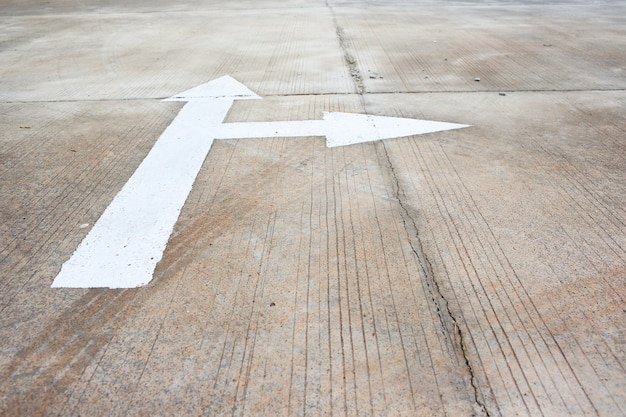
(223, 87)
(349, 128)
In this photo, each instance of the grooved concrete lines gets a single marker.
(468, 272)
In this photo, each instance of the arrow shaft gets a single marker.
(125, 244)
(270, 129)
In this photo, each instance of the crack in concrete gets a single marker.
(355, 73)
(351, 62)
(442, 305)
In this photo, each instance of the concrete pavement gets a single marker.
(478, 271)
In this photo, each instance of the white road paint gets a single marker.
(340, 129)
(126, 243)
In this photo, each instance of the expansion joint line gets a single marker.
(442, 305)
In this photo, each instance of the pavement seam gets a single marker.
(410, 226)
(566, 90)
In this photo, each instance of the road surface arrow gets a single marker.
(340, 129)
(125, 244)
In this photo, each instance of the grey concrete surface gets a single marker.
(479, 271)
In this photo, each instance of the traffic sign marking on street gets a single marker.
(126, 243)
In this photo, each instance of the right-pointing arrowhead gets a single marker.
(225, 86)
(349, 128)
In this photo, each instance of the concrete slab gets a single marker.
(478, 271)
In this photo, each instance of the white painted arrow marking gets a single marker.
(340, 129)
(126, 243)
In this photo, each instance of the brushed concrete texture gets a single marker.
(479, 271)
